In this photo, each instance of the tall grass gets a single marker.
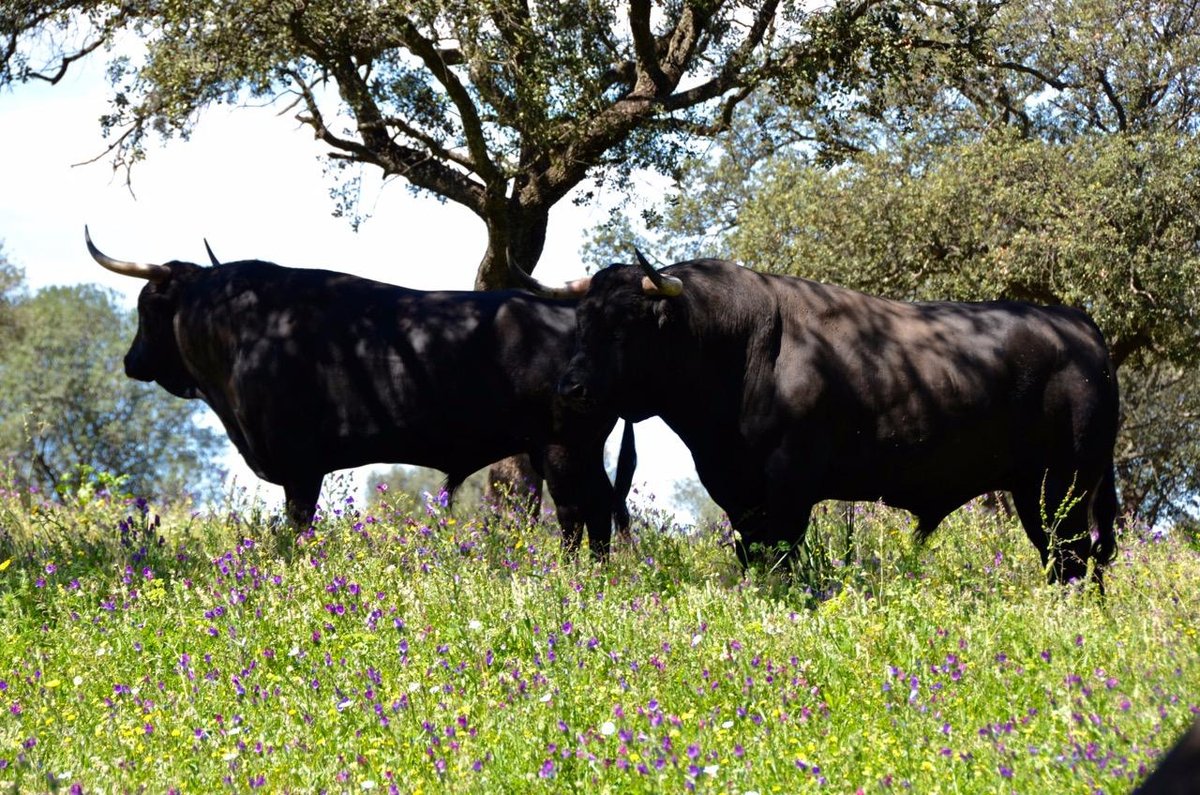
(398, 647)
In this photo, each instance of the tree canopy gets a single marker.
(503, 106)
(1108, 224)
(67, 409)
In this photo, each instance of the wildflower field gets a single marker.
(399, 647)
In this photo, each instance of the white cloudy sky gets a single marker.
(252, 182)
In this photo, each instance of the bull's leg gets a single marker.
(1083, 545)
(1104, 514)
(1027, 501)
(623, 521)
(515, 485)
(790, 501)
(300, 494)
(582, 494)
(750, 525)
(1060, 531)
(622, 482)
(771, 534)
(928, 521)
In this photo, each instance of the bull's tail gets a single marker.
(623, 482)
(1105, 511)
(450, 485)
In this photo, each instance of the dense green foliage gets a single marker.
(1107, 224)
(68, 413)
(12, 281)
(397, 647)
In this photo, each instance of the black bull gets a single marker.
(788, 392)
(311, 371)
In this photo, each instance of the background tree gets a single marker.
(691, 496)
(1109, 224)
(66, 405)
(12, 281)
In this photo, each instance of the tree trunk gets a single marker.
(514, 486)
(521, 234)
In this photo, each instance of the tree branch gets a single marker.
(420, 168)
(645, 48)
(424, 49)
(731, 71)
(66, 61)
(1113, 98)
(1050, 80)
(429, 142)
(377, 148)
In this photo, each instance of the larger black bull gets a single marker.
(788, 392)
(312, 371)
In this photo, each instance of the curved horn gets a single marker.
(574, 289)
(211, 256)
(140, 270)
(657, 283)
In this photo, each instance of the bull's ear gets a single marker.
(671, 287)
(664, 312)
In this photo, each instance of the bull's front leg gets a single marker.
(300, 494)
(582, 495)
(787, 510)
(770, 534)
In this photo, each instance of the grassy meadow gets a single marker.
(400, 648)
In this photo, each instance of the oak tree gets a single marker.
(503, 106)
(67, 409)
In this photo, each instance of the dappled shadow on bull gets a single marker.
(311, 371)
(789, 392)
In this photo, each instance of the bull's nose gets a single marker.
(572, 388)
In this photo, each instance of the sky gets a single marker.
(252, 182)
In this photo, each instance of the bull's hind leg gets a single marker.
(1104, 514)
(1055, 517)
(1027, 501)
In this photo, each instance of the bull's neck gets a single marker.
(701, 409)
(704, 397)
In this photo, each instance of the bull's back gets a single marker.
(372, 373)
(946, 397)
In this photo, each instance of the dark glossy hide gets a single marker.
(788, 392)
(312, 371)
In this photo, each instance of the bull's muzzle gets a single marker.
(573, 389)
